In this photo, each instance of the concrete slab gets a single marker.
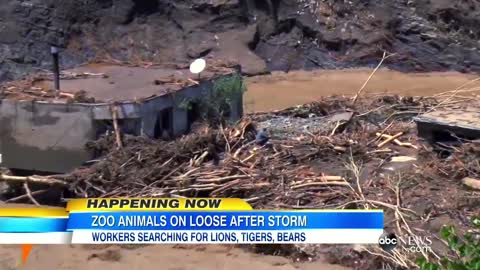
(439, 125)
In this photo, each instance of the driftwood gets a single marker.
(396, 141)
(33, 179)
(73, 75)
(45, 93)
(37, 91)
(384, 57)
(471, 182)
(118, 135)
(389, 139)
(314, 184)
(26, 195)
(186, 167)
(193, 81)
(29, 194)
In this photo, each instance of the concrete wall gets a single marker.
(42, 137)
(51, 137)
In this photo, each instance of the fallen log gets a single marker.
(118, 136)
(33, 179)
(397, 141)
(390, 138)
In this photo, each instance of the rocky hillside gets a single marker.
(424, 34)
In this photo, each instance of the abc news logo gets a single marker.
(388, 242)
(415, 244)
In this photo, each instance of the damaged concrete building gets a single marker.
(49, 135)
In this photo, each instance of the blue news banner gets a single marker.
(244, 227)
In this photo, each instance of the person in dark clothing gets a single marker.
(262, 137)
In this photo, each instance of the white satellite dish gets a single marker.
(197, 66)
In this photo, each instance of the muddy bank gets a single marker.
(280, 90)
(327, 34)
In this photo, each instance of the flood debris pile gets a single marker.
(27, 90)
(216, 163)
(467, 160)
(228, 162)
(366, 156)
(351, 157)
(461, 165)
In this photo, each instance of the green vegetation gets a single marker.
(215, 106)
(466, 249)
(225, 90)
(186, 104)
(229, 87)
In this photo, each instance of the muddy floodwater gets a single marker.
(280, 90)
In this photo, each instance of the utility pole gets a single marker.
(56, 69)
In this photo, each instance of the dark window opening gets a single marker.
(193, 113)
(164, 124)
(446, 136)
(443, 136)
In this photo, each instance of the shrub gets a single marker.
(466, 249)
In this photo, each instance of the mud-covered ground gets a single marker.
(424, 34)
(92, 257)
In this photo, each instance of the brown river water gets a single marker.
(280, 90)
